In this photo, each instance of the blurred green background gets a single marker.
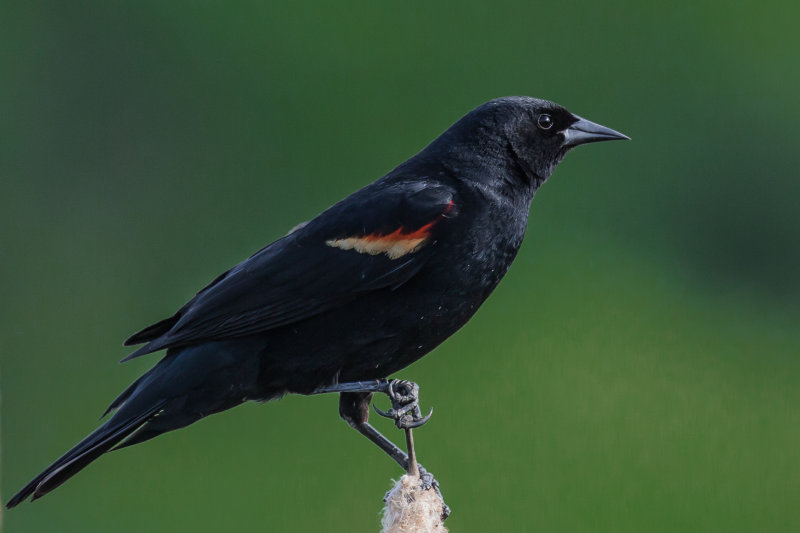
(637, 370)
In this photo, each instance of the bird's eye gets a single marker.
(545, 121)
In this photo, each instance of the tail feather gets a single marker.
(96, 444)
(127, 393)
(186, 385)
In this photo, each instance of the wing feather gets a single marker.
(301, 275)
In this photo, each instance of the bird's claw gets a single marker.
(405, 410)
(429, 482)
(420, 421)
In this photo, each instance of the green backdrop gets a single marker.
(637, 370)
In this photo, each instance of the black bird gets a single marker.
(361, 291)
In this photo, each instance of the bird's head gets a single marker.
(529, 135)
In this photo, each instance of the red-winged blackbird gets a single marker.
(359, 292)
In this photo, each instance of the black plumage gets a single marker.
(361, 291)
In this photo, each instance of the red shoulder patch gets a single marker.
(395, 244)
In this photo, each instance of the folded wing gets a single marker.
(379, 237)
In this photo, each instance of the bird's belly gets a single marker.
(377, 334)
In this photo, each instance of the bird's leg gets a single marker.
(406, 414)
(405, 411)
(354, 409)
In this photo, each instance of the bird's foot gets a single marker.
(405, 410)
(428, 482)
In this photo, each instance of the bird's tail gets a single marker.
(100, 441)
(186, 385)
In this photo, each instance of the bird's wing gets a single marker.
(377, 238)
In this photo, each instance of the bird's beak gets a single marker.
(585, 131)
